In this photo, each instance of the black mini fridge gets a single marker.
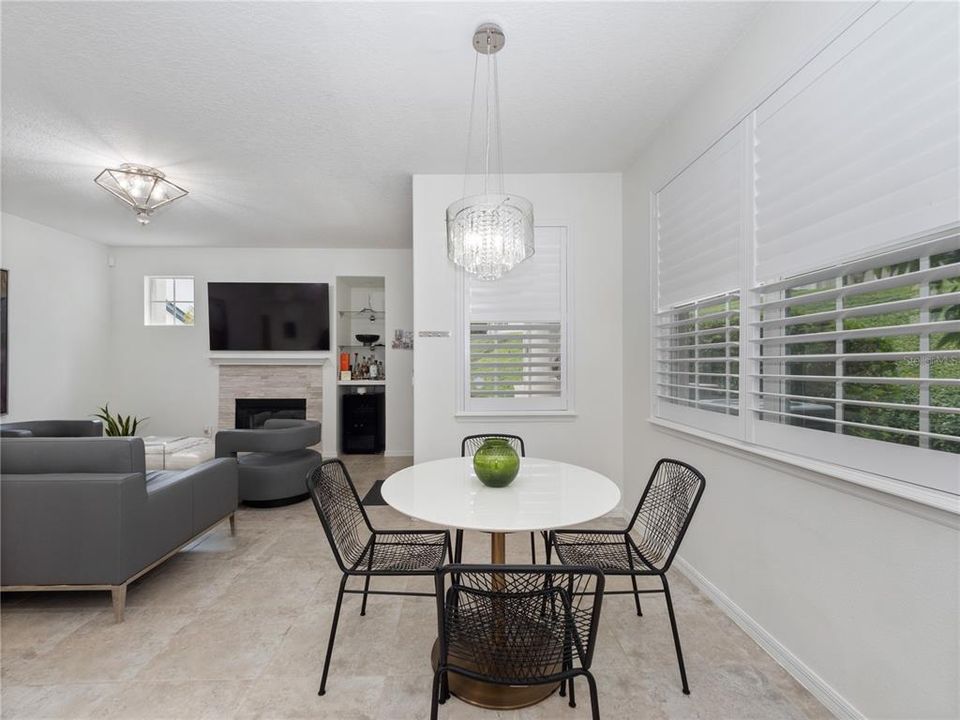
(363, 423)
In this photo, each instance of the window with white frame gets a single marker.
(516, 334)
(837, 338)
(168, 301)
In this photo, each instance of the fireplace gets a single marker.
(269, 382)
(254, 412)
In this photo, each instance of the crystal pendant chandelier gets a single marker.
(143, 188)
(488, 234)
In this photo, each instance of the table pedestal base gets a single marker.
(491, 695)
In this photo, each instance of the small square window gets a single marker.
(168, 301)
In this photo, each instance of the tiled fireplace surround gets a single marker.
(269, 381)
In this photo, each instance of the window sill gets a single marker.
(519, 416)
(894, 492)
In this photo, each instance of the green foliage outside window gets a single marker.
(946, 396)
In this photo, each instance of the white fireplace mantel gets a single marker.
(269, 358)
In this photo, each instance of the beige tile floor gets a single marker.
(237, 627)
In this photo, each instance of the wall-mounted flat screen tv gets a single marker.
(269, 316)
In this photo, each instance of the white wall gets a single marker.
(589, 205)
(166, 373)
(59, 321)
(859, 587)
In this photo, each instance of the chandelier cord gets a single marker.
(492, 135)
(486, 128)
(496, 99)
(473, 102)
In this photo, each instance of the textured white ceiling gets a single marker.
(299, 124)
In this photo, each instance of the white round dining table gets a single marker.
(546, 494)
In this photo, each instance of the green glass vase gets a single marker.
(496, 462)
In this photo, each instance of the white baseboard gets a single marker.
(398, 453)
(818, 687)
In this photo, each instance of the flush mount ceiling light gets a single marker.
(488, 234)
(143, 188)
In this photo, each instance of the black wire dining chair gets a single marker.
(661, 520)
(517, 625)
(363, 551)
(468, 448)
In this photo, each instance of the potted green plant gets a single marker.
(118, 425)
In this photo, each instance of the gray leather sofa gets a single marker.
(52, 428)
(274, 460)
(83, 513)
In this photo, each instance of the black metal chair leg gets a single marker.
(457, 555)
(435, 699)
(444, 688)
(633, 578)
(366, 582)
(563, 683)
(533, 548)
(594, 704)
(636, 594)
(366, 587)
(567, 661)
(676, 635)
(333, 635)
(573, 692)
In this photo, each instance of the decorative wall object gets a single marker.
(402, 340)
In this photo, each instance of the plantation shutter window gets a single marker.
(807, 265)
(516, 334)
(861, 149)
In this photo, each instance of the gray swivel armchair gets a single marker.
(82, 513)
(274, 460)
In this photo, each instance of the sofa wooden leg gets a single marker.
(118, 593)
(233, 523)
